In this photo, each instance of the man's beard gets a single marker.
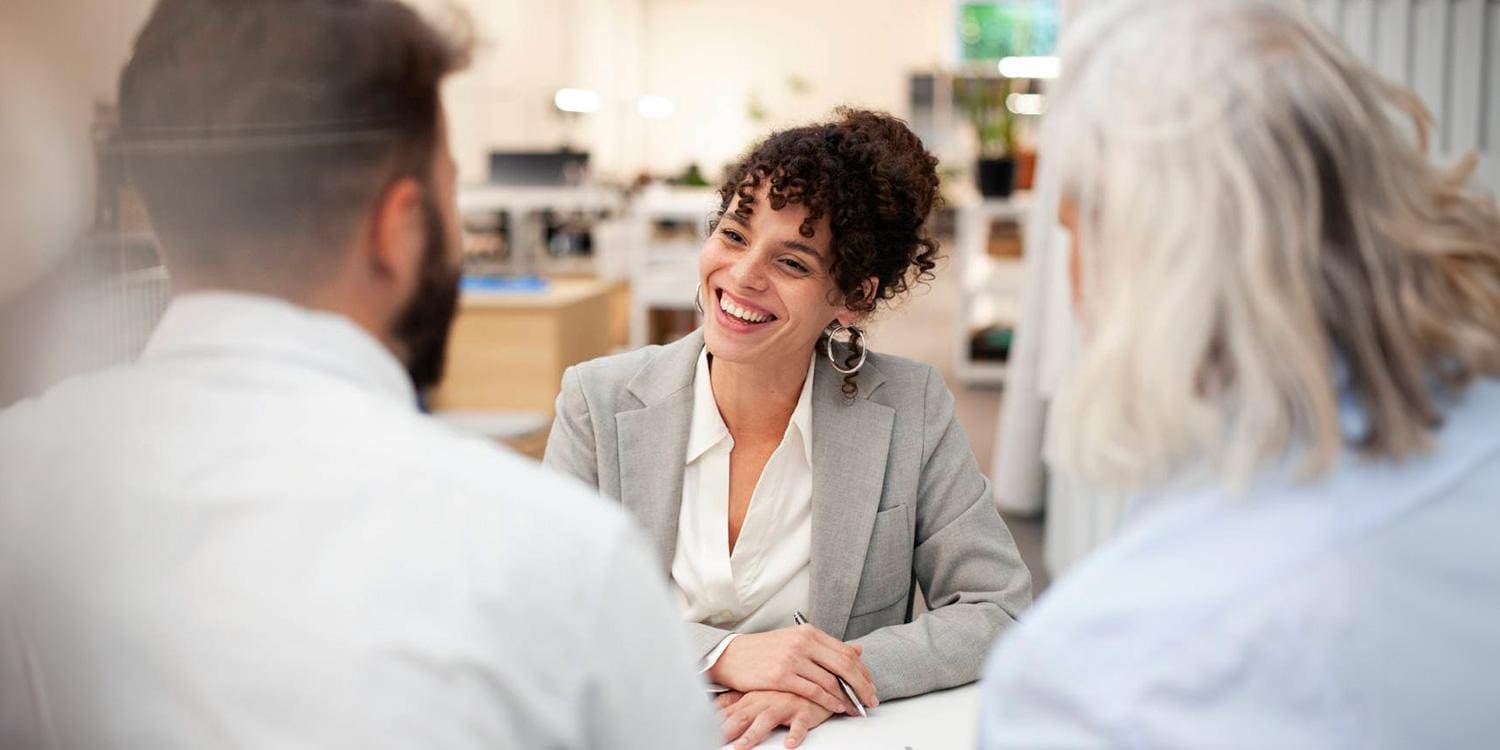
(422, 326)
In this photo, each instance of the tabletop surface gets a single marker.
(559, 292)
(945, 720)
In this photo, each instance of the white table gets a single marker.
(946, 720)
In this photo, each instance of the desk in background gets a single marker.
(508, 349)
(945, 720)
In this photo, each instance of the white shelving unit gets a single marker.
(522, 207)
(664, 274)
(989, 287)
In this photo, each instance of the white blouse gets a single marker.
(766, 579)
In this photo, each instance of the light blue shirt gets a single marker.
(1359, 611)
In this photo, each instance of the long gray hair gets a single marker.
(1261, 234)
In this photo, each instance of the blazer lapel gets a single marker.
(653, 442)
(851, 440)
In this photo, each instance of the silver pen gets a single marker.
(849, 691)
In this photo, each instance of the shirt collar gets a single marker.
(271, 328)
(802, 415)
(708, 428)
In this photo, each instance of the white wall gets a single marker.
(81, 45)
(708, 56)
(527, 49)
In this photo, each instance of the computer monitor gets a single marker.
(538, 168)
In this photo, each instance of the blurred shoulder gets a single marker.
(1188, 609)
(89, 398)
(485, 474)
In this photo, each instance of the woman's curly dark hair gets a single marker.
(870, 175)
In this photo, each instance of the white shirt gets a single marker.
(766, 579)
(251, 538)
(1361, 611)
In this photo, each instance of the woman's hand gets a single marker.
(755, 715)
(803, 661)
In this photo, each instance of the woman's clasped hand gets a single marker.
(788, 677)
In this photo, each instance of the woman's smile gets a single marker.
(738, 315)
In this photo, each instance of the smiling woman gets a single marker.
(780, 469)
(864, 179)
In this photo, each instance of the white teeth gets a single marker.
(740, 312)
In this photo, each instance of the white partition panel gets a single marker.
(1326, 11)
(1357, 27)
(1490, 139)
(1465, 108)
(1393, 22)
(1448, 51)
(1489, 134)
(1429, 61)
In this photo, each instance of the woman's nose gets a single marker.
(749, 271)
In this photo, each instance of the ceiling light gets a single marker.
(1030, 67)
(576, 100)
(1026, 104)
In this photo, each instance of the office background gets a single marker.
(589, 134)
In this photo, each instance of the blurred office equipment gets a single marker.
(536, 214)
(541, 292)
(560, 168)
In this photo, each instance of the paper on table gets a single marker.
(937, 721)
(777, 741)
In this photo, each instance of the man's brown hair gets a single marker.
(259, 133)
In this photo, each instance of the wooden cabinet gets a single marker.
(508, 350)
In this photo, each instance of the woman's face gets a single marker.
(767, 293)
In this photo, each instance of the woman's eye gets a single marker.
(795, 266)
(733, 236)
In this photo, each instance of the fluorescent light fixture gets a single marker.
(654, 107)
(576, 100)
(1030, 67)
(1026, 104)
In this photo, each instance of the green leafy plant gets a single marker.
(982, 100)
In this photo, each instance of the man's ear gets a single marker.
(397, 233)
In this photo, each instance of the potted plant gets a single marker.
(983, 102)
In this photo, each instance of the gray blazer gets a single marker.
(898, 501)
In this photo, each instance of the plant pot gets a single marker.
(1025, 169)
(997, 177)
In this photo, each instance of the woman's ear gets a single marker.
(867, 292)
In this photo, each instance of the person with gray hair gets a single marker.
(1292, 345)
